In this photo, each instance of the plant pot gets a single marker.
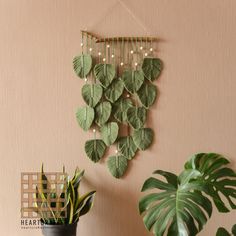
(59, 230)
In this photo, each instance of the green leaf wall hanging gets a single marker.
(82, 65)
(118, 92)
(92, 94)
(95, 149)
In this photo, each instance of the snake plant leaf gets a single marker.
(102, 112)
(82, 65)
(143, 138)
(117, 165)
(109, 133)
(85, 117)
(95, 149)
(86, 203)
(120, 108)
(222, 232)
(136, 117)
(133, 80)
(127, 147)
(176, 208)
(152, 68)
(92, 94)
(114, 91)
(221, 180)
(105, 73)
(147, 94)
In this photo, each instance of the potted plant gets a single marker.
(183, 203)
(68, 202)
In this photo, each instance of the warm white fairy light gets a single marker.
(85, 79)
(116, 151)
(108, 46)
(128, 95)
(94, 130)
(122, 63)
(99, 53)
(131, 51)
(104, 59)
(145, 54)
(141, 48)
(81, 44)
(112, 55)
(90, 49)
(136, 63)
(151, 49)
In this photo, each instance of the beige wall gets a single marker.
(39, 94)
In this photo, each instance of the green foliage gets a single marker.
(114, 91)
(85, 117)
(223, 232)
(82, 65)
(120, 108)
(102, 113)
(117, 165)
(143, 138)
(133, 80)
(92, 93)
(127, 147)
(152, 68)
(182, 204)
(136, 117)
(147, 94)
(74, 204)
(95, 149)
(109, 133)
(105, 73)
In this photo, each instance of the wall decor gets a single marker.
(182, 204)
(119, 75)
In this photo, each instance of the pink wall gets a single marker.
(39, 94)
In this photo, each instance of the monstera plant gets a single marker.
(118, 94)
(180, 205)
(223, 232)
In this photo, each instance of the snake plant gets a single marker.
(68, 202)
(183, 204)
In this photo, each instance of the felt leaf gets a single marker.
(117, 165)
(105, 73)
(152, 68)
(127, 147)
(147, 94)
(143, 138)
(133, 80)
(102, 113)
(109, 133)
(82, 65)
(92, 94)
(95, 149)
(114, 91)
(136, 117)
(85, 117)
(120, 108)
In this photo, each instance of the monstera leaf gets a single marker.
(82, 65)
(92, 94)
(114, 91)
(95, 149)
(136, 117)
(127, 147)
(223, 232)
(109, 133)
(105, 73)
(133, 80)
(102, 113)
(152, 68)
(179, 206)
(143, 138)
(85, 117)
(147, 94)
(117, 165)
(120, 108)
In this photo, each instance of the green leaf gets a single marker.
(152, 68)
(136, 117)
(109, 133)
(85, 117)
(143, 138)
(133, 80)
(114, 91)
(105, 73)
(95, 149)
(120, 108)
(147, 94)
(222, 232)
(234, 230)
(117, 165)
(127, 147)
(82, 65)
(102, 113)
(92, 94)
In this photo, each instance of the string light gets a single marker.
(128, 95)
(122, 63)
(81, 44)
(90, 49)
(116, 151)
(135, 63)
(108, 45)
(85, 79)
(99, 54)
(112, 55)
(141, 48)
(151, 49)
(131, 51)
(94, 130)
(145, 54)
(104, 59)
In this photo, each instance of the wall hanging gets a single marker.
(119, 75)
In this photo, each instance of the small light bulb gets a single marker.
(135, 63)
(104, 59)
(81, 44)
(90, 49)
(116, 151)
(145, 54)
(121, 63)
(151, 49)
(85, 79)
(108, 46)
(131, 51)
(94, 130)
(112, 55)
(141, 48)
(99, 54)
(128, 96)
